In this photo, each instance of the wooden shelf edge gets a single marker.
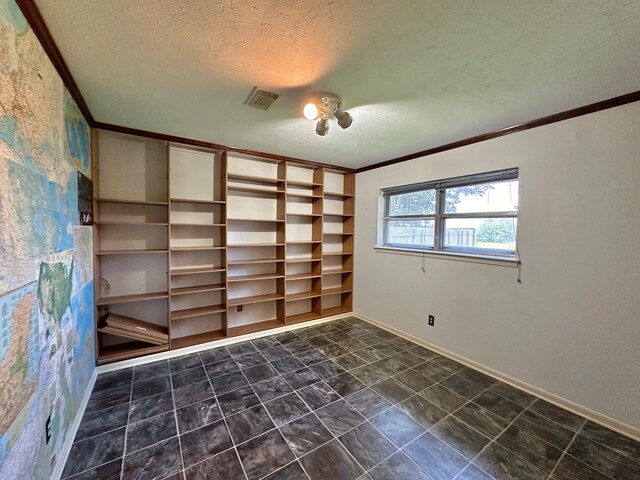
(140, 297)
(252, 278)
(125, 351)
(197, 289)
(178, 315)
(302, 317)
(302, 296)
(131, 202)
(189, 340)
(269, 297)
(254, 327)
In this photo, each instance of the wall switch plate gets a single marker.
(239, 309)
(432, 320)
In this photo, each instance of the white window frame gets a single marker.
(440, 216)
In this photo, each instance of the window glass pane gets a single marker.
(480, 233)
(414, 203)
(411, 232)
(485, 197)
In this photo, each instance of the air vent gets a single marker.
(261, 99)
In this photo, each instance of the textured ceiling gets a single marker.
(414, 74)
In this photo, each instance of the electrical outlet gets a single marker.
(432, 320)
(239, 309)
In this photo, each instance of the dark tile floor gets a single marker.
(341, 400)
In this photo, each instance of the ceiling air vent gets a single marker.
(261, 99)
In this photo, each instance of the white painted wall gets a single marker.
(572, 327)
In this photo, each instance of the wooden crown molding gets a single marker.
(539, 122)
(32, 14)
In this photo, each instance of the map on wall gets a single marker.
(46, 287)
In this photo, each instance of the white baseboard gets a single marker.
(576, 408)
(56, 474)
(216, 343)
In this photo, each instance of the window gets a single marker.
(475, 214)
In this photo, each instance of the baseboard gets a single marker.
(56, 474)
(576, 408)
(216, 343)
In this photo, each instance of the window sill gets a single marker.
(495, 260)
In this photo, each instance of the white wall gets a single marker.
(572, 327)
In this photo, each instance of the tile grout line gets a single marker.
(175, 417)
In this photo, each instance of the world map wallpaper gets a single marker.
(47, 346)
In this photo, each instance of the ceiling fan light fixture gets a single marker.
(344, 118)
(325, 106)
(310, 111)
(322, 127)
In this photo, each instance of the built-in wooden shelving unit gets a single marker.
(193, 245)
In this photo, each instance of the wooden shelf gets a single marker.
(181, 342)
(197, 289)
(254, 178)
(254, 260)
(254, 327)
(130, 252)
(289, 214)
(305, 242)
(134, 224)
(335, 254)
(302, 276)
(208, 225)
(346, 215)
(255, 244)
(139, 297)
(265, 220)
(195, 249)
(269, 297)
(301, 183)
(302, 260)
(131, 202)
(302, 317)
(338, 194)
(194, 200)
(196, 312)
(333, 271)
(343, 234)
(133, 329)
(335, 291)
(328, 312)
(262, 191)
(196, 271)
(124, 351)
(301, 296)
(250, 278)
(302, 195)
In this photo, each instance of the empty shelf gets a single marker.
(253, 178)
(131, 202)
(302, 260)
(335, 291)
(266, 220)
(328, 214)
(335, 254)
(196, 339)
(301, 296)
(303, 276)
(195, 249)
(269, 297)
(197, 225)
(302, 195)
(133, 224)
(302, 317)
(195, 200)
(138, 297)
(302, 183)
(335, 311)
(255, 244)
(333, 271)
(254, 327)
(250, 261)
(196, 312)
(194, 271)
(197, 289)
(237, 188)
(338, 194)
(130, 252)
(249, 278)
